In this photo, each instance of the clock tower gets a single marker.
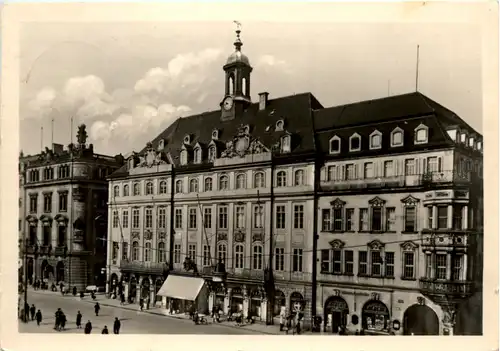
(237, 82)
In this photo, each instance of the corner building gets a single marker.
(260, 185)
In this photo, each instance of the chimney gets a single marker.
(57, 148)
(263, 97)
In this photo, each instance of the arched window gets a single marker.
(208, 184)
(135, 251)
(281, 179)
(257, 257)
(244, 86)
(240, 181)
(137, 189)
(126, 191)
(238, 256)
(223, 182)
(197, 155)
(193, 186)
(116, 191)
(149, 188)
(163, 187)
(184, 157)
(162, 254)
(222, 252)
(147, 252)
(178, 186)
(299, 177)
(211, 154)
(258, 180)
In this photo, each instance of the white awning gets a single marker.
(183, 288)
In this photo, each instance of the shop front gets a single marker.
(375, 317)
(185, 295)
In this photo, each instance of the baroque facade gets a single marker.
(62, 213)
(340, 209)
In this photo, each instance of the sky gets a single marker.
(129, 81)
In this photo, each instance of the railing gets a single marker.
(256, 274)
(45, 249)
(60, 250)
(446, 177)
(449, 288)
(143, 267)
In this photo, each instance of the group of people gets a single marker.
(289, 321)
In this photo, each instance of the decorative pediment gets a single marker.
(221, 236)
(376, 245)
(46, 218)
(61, 219)
(337, 203)
(243, 144)
(151, 157)
(410, 200)
(409, 246)
(32, 220)
(136, 235)
(337, 244)
(239, 237)
(148, 235)
(257, 237)
(376, 201)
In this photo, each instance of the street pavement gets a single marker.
(132, 322)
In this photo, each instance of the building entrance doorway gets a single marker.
(420, 320)
(336, 311)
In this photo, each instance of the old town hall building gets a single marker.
(367, 215)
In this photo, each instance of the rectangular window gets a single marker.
(376, 264)
(432, 164)
(124, 251)
(47, 203)
(430, 217)
(337, 262)
(390, 222)
(192, 251)
(376, 219)
(135, 218)
(223, 217)
(63, 202)
(349, 219)
(368, 170)
(410, 219)
(363, 219)
(428, 266)
(162, 217)
(178, 218)
(410, 167)
(388, 169)
(115, 250)
(279, 259)
(177, 253)
(442, 222)
(348, 262)
(408, 265)
(149, 218)
(257, 216)
(363, 263)
(457, 267)
(125, 219)
(115, 219)
(193, 218)
(33, 203)
(240, 217)
(457, 216)
(207, 217)
(325, 261)
(280, 217)
(298, 216)
(441, 266)
(338, 219)
(350, 171)
(332, 173)
(206, 256)
(389, 264)
(325, 219)
(297, 260)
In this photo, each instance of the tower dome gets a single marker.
(237, 55)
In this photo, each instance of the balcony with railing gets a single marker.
(143, 267)
(446, 291)
(256, 274)
(444, 177)
(60, 250)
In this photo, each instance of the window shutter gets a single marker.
(424, 165)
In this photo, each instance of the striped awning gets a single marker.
(180, 287)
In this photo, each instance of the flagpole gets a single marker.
(416, 73)
(204, 232)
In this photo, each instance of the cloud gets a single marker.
(271, 61)
(43, 101)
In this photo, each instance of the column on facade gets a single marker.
(246, 301)
(465, 267)
(227, 301)
(138, 289)
(434, 216)
(449, 218)
(448, 266)
(152, 293)
(211, 301)
(126, 290)
(465, 217)
(426, 218)
(263, 308)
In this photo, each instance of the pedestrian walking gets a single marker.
(57, 319)
(97, 309)
(122, 299)
(141, 303)
(105, 330)
(88, 328)
(282, 320)
(78, 320)
(116, 326)
(62, 321)
(32, 311)
(74, 291)
(38, 317)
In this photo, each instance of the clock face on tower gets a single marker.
(227, 103)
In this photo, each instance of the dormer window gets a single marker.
(285, 143)
(472, 142)
(397, 137)
(197, 155)
(375, 140)
(187, 140)
(215, 134)
(479, 145)
(355, 142)
(212, 153)
(421, 134)
(161, 144)
(335, 145)
(184, 157)
(453, 133)
(280, 125)
(131, 163)
(463, 138)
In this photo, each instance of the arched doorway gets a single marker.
(47, 271)
(132, 290)
(30, 270)
(279, 302)
(335, 313)
(375, 316)
(420, 320)
(60, 272)
(297, 302)
(145, 286)
(236, 300)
